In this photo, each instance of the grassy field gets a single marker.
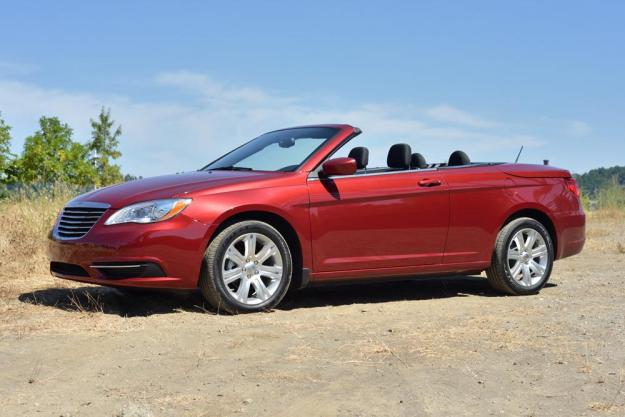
(422, 347)
(26, 221)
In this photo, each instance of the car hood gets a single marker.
(169, 186)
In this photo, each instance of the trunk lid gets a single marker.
(534, 171)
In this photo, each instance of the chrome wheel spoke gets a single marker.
(538, 268)
(531, 239)
(250, 245)
(243, 290)
(514, 255)
(516, 269)
(273, 272)
(539, 251)
(527, 275)
(262, 292)
(232, 275)
(266, 252)
(235, 256)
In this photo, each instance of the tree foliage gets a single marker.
(597, 179)
(103, 148)
(5, 147)
(51, 156)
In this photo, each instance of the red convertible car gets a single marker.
(282, 211)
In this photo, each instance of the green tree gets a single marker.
(103, 146)
(597, 179)
(51, 156)
(5, 148)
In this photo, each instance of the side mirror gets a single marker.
(339, 166)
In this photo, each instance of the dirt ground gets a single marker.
(426, 347)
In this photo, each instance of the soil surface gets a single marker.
(425, 347)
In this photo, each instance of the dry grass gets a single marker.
(25, 226)
(604, 231)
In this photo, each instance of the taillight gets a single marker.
(571, 184)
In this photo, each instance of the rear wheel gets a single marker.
(246, 268)
(523, 258)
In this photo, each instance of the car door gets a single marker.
(378, 220)
(479, 198)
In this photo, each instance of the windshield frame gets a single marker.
(323, 143)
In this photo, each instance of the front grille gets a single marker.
(75, 222)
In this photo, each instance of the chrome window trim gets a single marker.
(314, 175)
(372, 174)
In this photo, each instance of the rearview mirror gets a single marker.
(339, 166)
(287, 143)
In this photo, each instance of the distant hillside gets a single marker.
(599, 178)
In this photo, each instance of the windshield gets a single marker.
(282, 150)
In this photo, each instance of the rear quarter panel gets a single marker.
(483, 198)
(551, 196)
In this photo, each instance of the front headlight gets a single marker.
(149, 211)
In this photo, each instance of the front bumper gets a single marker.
(173, 248)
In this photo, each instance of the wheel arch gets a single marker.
(540, 216)
(299, 278)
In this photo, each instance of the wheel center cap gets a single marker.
(525, 257)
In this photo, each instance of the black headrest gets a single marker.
(458, 158)
(398, 156)
(417, 161)
(361, 155)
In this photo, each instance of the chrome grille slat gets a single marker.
(77, 222)
(78, 218)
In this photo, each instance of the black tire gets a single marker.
(498, 273)
(214, 288)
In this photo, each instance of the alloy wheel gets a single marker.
(252, 268)
(528, 257)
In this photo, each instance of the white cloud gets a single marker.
(579, 128)
(217, 93)
(453, 115)
(182, 134)
(11, 68)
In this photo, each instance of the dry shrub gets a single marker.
(604, 231)
(26, 220)
(610, 202)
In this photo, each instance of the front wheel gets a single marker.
(246, 268)
(523, 258)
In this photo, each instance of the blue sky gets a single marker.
(188, 81)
